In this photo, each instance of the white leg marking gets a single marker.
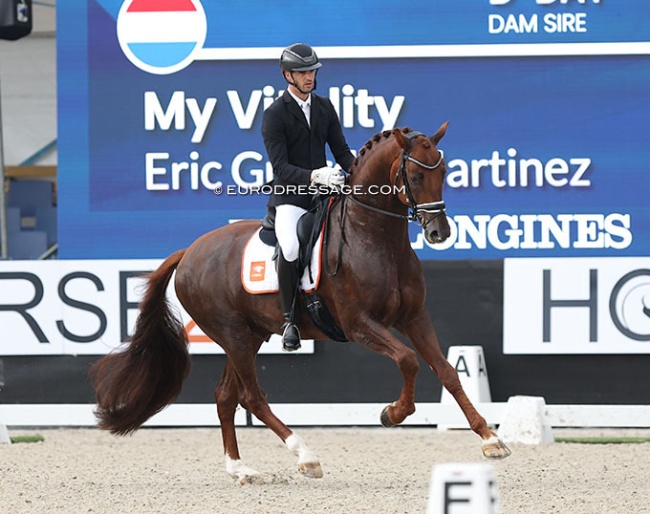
(298, 447)
(491, 440)
(237, 469)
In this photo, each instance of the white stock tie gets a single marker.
(307, 111)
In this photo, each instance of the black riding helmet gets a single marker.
(299, 57)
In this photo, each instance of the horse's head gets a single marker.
(421, 173)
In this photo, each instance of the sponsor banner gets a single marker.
(160, 109)
(84, 308)
(576, 306)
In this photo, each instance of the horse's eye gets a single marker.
(414, 179)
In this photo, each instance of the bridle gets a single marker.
(417, 210)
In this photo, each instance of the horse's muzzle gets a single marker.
(437, 231)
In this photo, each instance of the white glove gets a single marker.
(330, 177)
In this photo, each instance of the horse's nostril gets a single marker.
(433, 237)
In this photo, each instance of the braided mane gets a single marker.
(372, 142)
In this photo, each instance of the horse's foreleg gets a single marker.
(308, 463)
(379, 339)
(226, 395)
(423, 335)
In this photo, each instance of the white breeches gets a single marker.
(286, 223)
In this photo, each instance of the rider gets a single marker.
(295, 129)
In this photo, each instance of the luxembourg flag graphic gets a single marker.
(161, 36)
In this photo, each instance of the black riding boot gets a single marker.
(288, 282)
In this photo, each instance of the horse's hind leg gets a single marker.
(422, 334)
(226, 395)
(242, 361)
(255, 402)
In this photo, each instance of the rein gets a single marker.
(377, 209)
(326, 231)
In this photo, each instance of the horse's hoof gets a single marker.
(251, 479)
(311, 469)
(385, 418)
(495, 448)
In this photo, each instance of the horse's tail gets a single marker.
(134, 384)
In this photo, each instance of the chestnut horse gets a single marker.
(379, 284)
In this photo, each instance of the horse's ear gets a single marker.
(435, 139)
(401, 139)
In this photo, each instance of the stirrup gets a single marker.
(290, 337)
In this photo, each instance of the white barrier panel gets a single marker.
(467, 488)
(469, 362)
(331, 414)
(52, 415)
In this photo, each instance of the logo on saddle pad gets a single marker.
(258, 270)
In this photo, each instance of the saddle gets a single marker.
(310, 226)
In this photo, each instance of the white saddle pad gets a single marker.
(258, 273)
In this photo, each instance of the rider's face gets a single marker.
(304, 82)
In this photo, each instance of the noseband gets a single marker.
(416, 210)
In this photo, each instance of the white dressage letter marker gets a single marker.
(469, 363)
(4, 435)
(463, 489)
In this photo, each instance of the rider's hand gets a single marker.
(330, 177)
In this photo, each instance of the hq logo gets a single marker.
(161, 36)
